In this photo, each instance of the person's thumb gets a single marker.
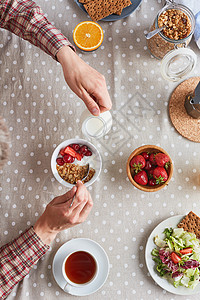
(92, 106)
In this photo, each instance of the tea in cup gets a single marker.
(79, 268)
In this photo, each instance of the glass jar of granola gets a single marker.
(171, 43)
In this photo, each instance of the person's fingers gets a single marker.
(78, 208)
(92, 106)
(82, 199)
(85, 210)
(65, 197)
(100, 94)
(81, 195)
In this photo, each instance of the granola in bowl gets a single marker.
(72, 172)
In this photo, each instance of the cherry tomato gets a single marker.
(175, 258)
(186, 251)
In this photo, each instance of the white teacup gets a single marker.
(79, 268)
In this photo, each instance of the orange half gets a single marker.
(88, 35)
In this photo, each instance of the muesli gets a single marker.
(72, 173)
(178, 27)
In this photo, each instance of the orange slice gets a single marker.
(88, 35)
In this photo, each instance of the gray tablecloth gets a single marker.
(41, 111)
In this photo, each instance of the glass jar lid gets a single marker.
(178, 63)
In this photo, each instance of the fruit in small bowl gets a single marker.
(149, 168)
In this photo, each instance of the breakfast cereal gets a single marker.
(178, 28)
(72, 173)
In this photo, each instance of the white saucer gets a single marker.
(80, 244)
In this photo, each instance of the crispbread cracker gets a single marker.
(191, 223)
(119, 12)
(99, 9)
(84, 1)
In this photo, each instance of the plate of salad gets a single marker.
(173, 258)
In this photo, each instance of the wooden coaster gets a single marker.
(184, 124)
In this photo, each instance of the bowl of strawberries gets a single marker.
(149, 168)
(76, 159)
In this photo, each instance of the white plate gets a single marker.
(94, 160)
(82, 244)
(163, 283)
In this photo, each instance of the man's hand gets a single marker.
(59, 216)
(85, 82)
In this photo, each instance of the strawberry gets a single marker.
(70, 151)
(141, 178)
(160, 175)
(78, 156)
(152, 158)
(73, 153)
(137, 163)
(62, 152)
(161, 159)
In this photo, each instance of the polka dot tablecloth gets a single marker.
(41, 111)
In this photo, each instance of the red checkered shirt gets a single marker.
(17, 258)
(26, 19)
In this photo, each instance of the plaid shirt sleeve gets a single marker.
(26, 19)
(17, 258)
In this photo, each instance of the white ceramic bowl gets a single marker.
(94, 160)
